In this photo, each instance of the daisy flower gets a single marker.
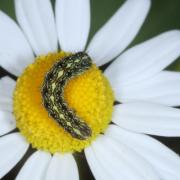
(63, 103)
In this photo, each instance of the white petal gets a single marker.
(168, 176)
(96, 166)
(73, 24)
(12, 149)
(144, 60)
(7, 122)
(121, 161)
(163, 88)
(37, 21)
(119, 31)
(6, 93)
(7, 86)
(15, 52)
(62, 167)
(148, 118)
(36, 166)
(6, 105)
(161, 158)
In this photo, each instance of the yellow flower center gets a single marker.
(88, 94)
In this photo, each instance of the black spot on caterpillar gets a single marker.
(53, 93)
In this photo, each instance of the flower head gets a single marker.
(62, 102)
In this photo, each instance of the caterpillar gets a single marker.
(53, 94)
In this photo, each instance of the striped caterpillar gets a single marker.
(53, 93)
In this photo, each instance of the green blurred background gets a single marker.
(164, 15)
